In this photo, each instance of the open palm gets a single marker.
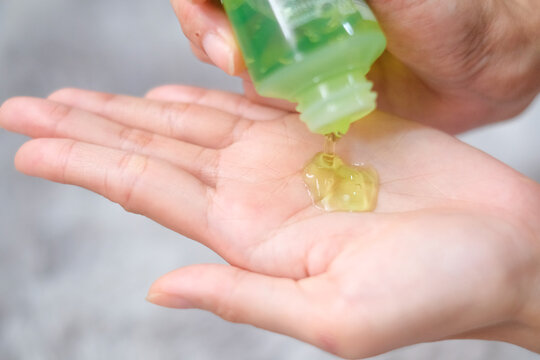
(450, 251)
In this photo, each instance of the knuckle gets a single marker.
(109, 98)
(110, 101)
(228, 313)
(227, 306)
(176, 91)
(59, 111)
(327, 340)
(342, 342)
(207, 161)
(158, 90)
(131, 171)
(134, 139)
(131, 164)
(241, 127)
(64, 93)
(174, 114)
(338, 332)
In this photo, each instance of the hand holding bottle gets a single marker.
(451, 251)
(453, 66)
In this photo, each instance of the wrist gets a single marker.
(525, 331)
(529, 316)
(525, 324)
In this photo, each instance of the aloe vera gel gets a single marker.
(312, 52)
(336, 186)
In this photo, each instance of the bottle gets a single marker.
(312, 52)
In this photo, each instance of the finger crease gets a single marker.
(60, 114)
(132, 168)
(135, 140)
(66, 155)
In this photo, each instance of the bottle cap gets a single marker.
(332, 104)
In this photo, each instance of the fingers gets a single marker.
(200, 125)
(43, 118)
(276, 304)
(229, 102)
(140, 184)
(207, 27)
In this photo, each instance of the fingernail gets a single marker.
(219, 51)
(169, 301)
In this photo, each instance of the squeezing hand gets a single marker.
(453, 64)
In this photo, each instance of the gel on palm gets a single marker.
(312, 52)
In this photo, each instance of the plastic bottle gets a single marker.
(312, 52)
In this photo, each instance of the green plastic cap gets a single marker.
(331, 105)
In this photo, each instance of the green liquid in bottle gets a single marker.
(313, 52)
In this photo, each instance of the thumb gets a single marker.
(277, 304)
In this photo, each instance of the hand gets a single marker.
(453, 65)
(452, 250)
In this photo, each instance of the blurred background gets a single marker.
(74, 267)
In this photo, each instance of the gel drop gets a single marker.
(335, 186)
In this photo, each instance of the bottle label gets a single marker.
(295, 13)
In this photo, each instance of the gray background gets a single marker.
(75, 268)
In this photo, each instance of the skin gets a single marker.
(453, 65)
(451, 251)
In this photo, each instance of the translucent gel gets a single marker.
(336, 186)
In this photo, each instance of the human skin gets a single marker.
(451, 251)
(452, 64)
